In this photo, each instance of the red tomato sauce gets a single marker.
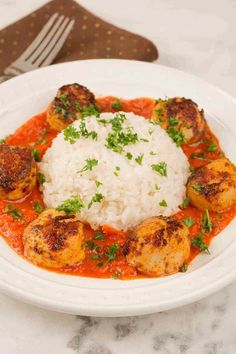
(37, 134)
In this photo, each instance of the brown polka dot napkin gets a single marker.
(91, 37)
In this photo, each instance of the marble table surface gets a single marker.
(195, 36)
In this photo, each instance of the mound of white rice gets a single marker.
(132, 189)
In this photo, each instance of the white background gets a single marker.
(195, 36)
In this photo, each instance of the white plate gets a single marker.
(26, 95)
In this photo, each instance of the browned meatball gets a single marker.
(181, 115)
(17, 172)
(54, 240)
(68, 104)
(159, 246)
(213, 186)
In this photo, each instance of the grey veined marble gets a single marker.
(198, 37)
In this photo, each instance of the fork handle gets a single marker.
(5, 78)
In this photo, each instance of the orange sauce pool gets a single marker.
(36, 133)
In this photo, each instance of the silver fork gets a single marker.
(42, 51)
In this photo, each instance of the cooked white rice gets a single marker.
(131, 192)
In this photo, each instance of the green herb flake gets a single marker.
(90, 164)
(161, 168)
(98, 184)
(197, 187)
(199, 243)
(116, 104)
(71, 134)
(72, 205)
(96, 256)
(220, 217)
(192, 169)
(152, 153)
(163, 203)
(92, 245)
(189, 221)
(206, 222)
(139, 159)
(129, 156)
(186, 203)
(2, 141)
(144, 140)
(41, 177)
(15, 213)
(38, 207)
(90, 110)
(212, 147)
(112, 252)
(116, 172)
(173, 121)
(183, 268)
(157, 187)
(99, 236)
(99, 264)
(177, 136)
(42, 140)
(36, 155)
(97, 198)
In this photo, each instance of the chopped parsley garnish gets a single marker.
(90, 110)
(42, 140)
(116, 172)
(139, 159)
(220, 217)
(2, 141)
(112, 252)
(92, 245)
(71, 134)
(98, 184)
(161, 168)
(119, 137)
(189, 221)
(99, 236)
(206, 222)
(158, 121)
(186, 203)
(173, 121)
(177, 136)
(163, 203)
(90, 164)
(63, 104)
(211, 147)
(36, 154)
(99, 264)
(197, 187)
(84, 131)
(129, 156)
(152, 153)
(72, 205)
(199, 243)
(15, 213)
(116, 104)
(41, 177)
(45, 131)
(38, 207)
(95, 199)
(144, 140)
(157, 187)
(183, 268)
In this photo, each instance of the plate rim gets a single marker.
(109, 311)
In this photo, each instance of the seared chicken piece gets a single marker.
(213, 186)
(68, 104)
(159, 246)
(54, 240)
(181, 115)
(17, 172)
